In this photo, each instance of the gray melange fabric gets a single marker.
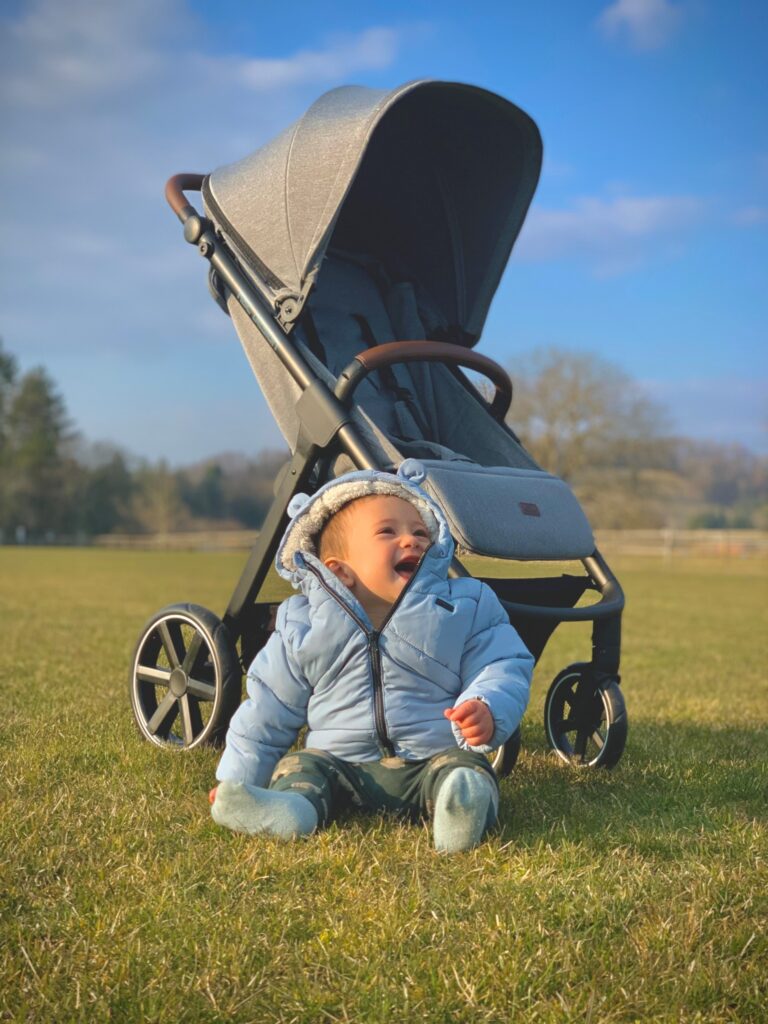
(451, 172)
(277, 385)
(510, 513)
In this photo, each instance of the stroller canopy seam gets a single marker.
(362, 156)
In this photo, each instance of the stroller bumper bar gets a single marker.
(431, 352)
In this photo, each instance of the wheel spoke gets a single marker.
(164, 716)
(203, 691)
(195, 716)
(186, 720)
(191, 720)
(173, 645)
(150, 674)
(598, 739)
(580, 746)
(192, 652)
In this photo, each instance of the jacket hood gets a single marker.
(309, 514)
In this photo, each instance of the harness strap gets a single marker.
(389, 380)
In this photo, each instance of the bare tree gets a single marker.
(577, 411)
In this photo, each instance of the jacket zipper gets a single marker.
(374, 654)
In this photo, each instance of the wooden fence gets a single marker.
(667, 543)
(670, 542)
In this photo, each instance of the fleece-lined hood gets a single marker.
(310, 513)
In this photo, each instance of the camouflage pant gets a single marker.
(405, 788)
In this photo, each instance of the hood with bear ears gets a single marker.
(309, 514)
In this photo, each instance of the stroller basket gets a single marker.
(357, 255)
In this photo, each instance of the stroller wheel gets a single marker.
(504, 758)
(185, 678)
(586, 725)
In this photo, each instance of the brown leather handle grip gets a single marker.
(442, 352)
(174, 191)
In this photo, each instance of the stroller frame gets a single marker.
(186, 673)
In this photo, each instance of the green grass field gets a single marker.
(637, 894)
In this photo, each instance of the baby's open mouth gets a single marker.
(406, 567)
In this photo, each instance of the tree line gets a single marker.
(584, 419)
(54, 485)
(580, 416)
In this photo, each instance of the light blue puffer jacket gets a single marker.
(364, 693)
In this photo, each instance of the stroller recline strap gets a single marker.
(403, 395)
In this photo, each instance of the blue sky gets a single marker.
(647, 241)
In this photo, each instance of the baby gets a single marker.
(405, 678)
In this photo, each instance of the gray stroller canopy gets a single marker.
(433, 179)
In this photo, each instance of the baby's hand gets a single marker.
(474, 719)
(212, 795)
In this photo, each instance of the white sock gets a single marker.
(461, 810)
(245, 808)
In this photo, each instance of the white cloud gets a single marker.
(750, 216)
(372, 49)
(614, 234)
(647, 24)
(56, 54)
(100, 102)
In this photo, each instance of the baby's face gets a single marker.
(385, 539)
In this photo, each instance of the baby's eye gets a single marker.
(420, 533)
(385, 530)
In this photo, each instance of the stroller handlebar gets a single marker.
(381, 356)
(174, 193)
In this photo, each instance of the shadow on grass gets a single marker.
(678, 789)
(674, 781)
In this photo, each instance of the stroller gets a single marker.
(358, 254)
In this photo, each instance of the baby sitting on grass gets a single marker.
(405, 678)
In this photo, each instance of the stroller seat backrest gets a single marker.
(354, 307)
(424, 411)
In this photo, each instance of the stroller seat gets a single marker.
(426, 411)
(355, 307)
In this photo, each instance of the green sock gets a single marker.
(462, 810)
(245, 808)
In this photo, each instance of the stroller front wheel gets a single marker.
(504, 758)
(585, 722)
(185, 678)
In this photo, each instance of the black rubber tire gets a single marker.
(504, 758)
(586, 725)
(185, 679)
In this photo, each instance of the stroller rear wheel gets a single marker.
(585, 722)
(504, 758)
(185, 678)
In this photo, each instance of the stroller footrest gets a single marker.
(503, 512)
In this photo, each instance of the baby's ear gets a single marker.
(340, 570)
